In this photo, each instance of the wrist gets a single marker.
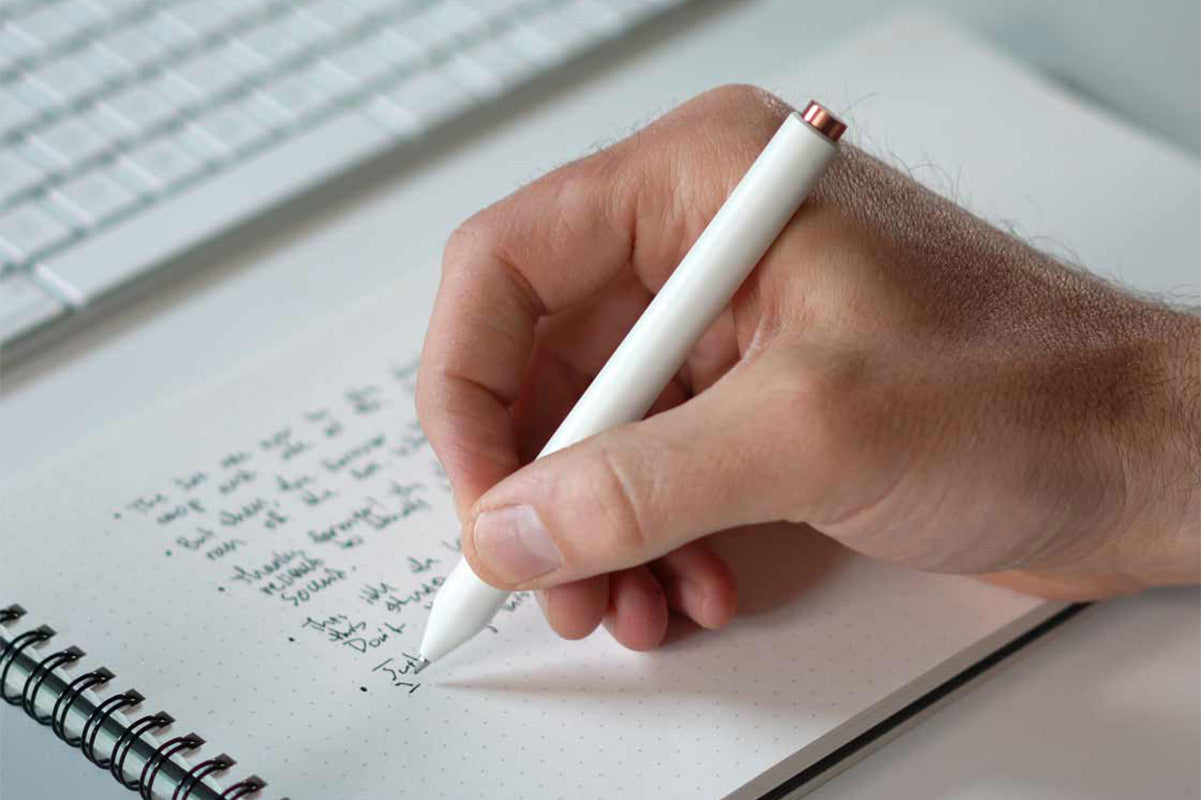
(1160, 533)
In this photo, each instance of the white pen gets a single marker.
(655, 348)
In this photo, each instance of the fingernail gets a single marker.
(514, 544)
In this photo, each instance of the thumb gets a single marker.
(629, 495)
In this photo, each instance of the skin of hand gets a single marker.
(895, 373)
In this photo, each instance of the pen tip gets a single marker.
(425, 662)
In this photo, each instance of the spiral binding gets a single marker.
(188, 787)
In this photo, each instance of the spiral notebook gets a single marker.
(222, 599)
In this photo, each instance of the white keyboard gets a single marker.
(133, 131)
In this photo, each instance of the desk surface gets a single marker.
(1107, 706)
(1129, 719)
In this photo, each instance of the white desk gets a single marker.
(350, 246)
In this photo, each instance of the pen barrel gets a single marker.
(705, 281)
(655, 348)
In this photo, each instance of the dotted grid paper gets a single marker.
(258, 559)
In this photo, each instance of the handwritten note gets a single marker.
(276, 517)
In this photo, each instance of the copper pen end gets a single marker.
(822, 121)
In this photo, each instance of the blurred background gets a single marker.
(135, 132)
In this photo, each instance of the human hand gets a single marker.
(896, 373)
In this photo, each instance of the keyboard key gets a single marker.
(242, 11)
(30, 90)
(272, 41)
(120, 7)
(105, 122)
(475, 78)
(204, 17)
(384, 7)
(145, 105)
(593, 15)
(139, 107)
(136, 45)
(233, 128)
(38, 156)
(95, 196)
(488, 68)
(84, 13)
(200, 143)
(391, 117)
(443, 24)
(14, 46)
(430, 97)
(241, 59)
(47, 26)
(70, 140)
(340, 15)
(534, 45)
(24, 306)
(632, 10)
(569, 31)
(333, 80)
(208, 74)
(69, 78)
(305, 29)
(177, 91)
(222, 69)
(29, 228)
(265, 111)
(14, 111)
(121, 171)
(301, 93)
(362, 64)
(17, 174)
(171, 32)
(501, 59)
(163, 163)
(101, 62)
(398, 50)
(499, 8)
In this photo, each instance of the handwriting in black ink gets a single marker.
(190, 482)
(193, 506)
(418, 565)
(365, 399)
(235, 480)
(355, 454)
(410, 497)
(398, 671)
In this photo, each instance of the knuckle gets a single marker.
(824, 412)
(746, 101)
(806, 394)
(736, 93)
(473, 236)
(614, 489)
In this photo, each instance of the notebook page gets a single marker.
(257, 558)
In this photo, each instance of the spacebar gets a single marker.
(174, 225)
